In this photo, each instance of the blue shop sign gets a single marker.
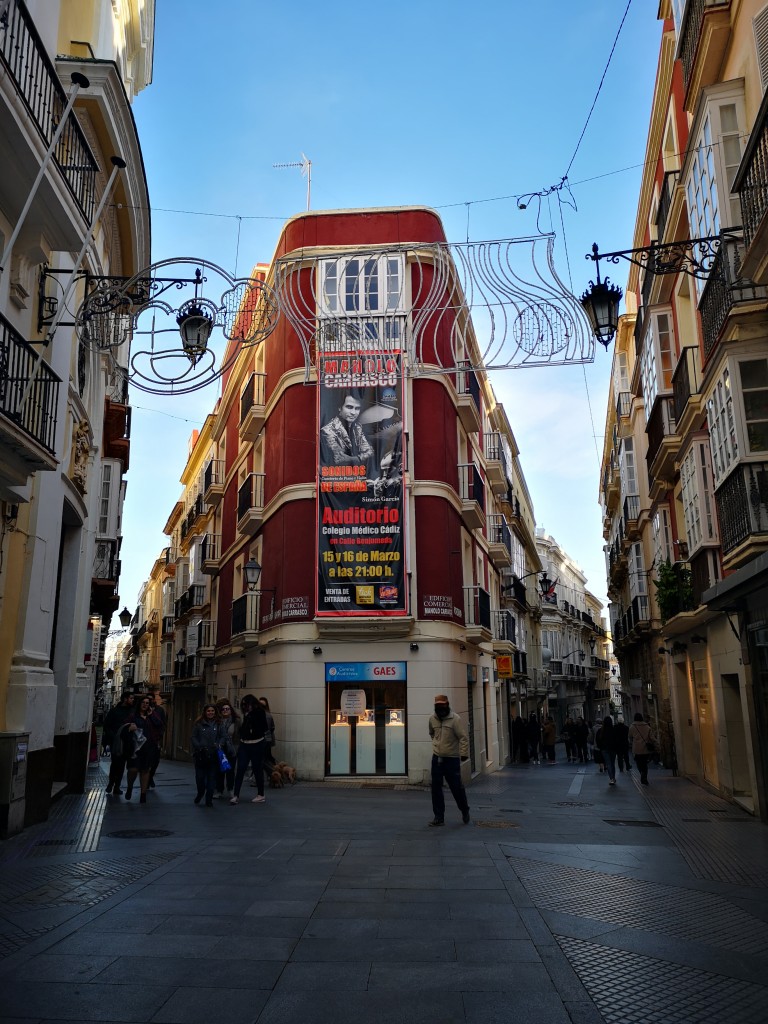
(364, 671)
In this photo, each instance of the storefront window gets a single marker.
(366, 716)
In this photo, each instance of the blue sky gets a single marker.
(441, 104)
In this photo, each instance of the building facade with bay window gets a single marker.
(685, 489)
(381, 497)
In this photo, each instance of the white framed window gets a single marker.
(109, 493)
(369, 292)
(167, 659)
(717, 144)
(753, 374)
(696, 495)
(656, 358)
(627, 466)
(638, 579)
(661, 531)
(722, 427)
(620, 375)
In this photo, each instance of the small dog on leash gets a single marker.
(287, 772)
(276, 779)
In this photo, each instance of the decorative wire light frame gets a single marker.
(456, 306)
(137, 310)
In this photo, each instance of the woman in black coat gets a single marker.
(605, 741)
(206, 737)
(143, 725)
(251, 749)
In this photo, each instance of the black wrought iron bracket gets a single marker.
(144, 289)
(692, 256)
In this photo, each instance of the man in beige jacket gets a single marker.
(450, 746)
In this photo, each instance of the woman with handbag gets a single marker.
(205, 753)
(229, 737)
(643, 745)
(143, 728)
(269, 738)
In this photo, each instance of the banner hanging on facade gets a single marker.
(361, 529)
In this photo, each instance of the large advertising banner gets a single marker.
(361, 529)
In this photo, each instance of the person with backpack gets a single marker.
(605, 741)
(643, 745)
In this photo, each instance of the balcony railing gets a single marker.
(690, 33)
(245, 614)
(726, 289)
(468, 390)
(213, 475)
(665, 201)
(23, 54)
(471, 487)
(194, 597)
(742, 504)
(206, 634)
(686, 380)
(106, 564)
(499, 532)
(253, 393)
(503, 626)
(751, 182)
(661, 424)
(18, 363)
(477, 607)
(250, 497)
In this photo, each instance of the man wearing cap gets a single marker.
(450, 746)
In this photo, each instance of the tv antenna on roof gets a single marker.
(306, 170)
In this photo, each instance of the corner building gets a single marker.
(392, 551)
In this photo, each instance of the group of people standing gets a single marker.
(245, 740)
(533, 741)
(133, 732)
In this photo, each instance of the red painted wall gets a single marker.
(438, 556)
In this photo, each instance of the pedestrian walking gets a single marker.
(450, 746)
(581, 730)
(548, 737)
(157, 727)
(534, 737)
(269, 739)
(621, 732)
(205, 740)
(605, 741)
(145, 726)
(569, 738)
(591, 742)
(229, 729)
(120, 746)
(643, 745)
(519, 740)
(251, 749)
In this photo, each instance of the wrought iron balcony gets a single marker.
(503, 627)
(726, 290)
(252, 410)
(499, 540)
(468, 390)
(213, 481)
(36, 418)
(477, 613)
(106, 564)
(700, 50)
(250, 503)
(661, 424)
(24, 57)
(245, 614)
(751, 185)
(472, 494)
(686, 380)
(668, 187)
(742, 505)
(190, 600)
(495, 462)
(210, 553)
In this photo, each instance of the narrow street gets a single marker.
(563, 901)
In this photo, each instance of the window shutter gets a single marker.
(760, 25)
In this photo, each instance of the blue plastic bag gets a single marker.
(223, 761)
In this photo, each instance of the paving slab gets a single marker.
(563, 902)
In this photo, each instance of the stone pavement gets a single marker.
(565, 900)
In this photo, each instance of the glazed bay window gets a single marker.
(627, 466)
(368, 293)
(717, 142)
(738, 416)
(722, 427)
(638, 583)
(698, 501)
(656, 358)
(661, 531)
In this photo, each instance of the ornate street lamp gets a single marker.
(601, 304)
(125, 618)
(252, 573)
